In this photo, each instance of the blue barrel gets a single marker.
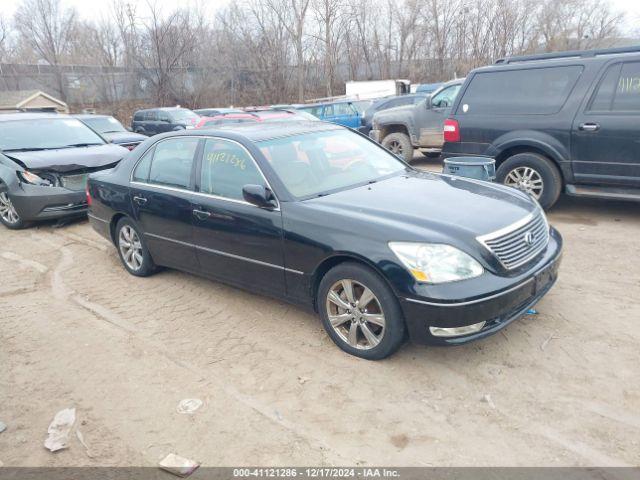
(480, 168)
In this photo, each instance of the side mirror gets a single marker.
(428, 103)
(259, 196)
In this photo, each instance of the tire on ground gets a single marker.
(395, 330)
(148, 267)
(403, 141)
(551, 178)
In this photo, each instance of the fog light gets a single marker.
(456, 331)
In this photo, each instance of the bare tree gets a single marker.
(48, 29)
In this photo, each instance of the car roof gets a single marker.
(9, 117)
(86, 116)
(258, 131)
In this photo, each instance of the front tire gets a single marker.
(9, 217)
(360, 312)
(534, 174)
(132, 249)
(399, 144)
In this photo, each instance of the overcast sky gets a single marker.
(94, 9)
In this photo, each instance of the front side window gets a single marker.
(446, 97)
(344, 109)
(226, 169)
(627, 95)
(527, 91)
(151, 116)
(318, 163)
(172, 162)
(603, 98)
(46, 134)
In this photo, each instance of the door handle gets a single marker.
(139, 200)
(589, 127)
(201, 214)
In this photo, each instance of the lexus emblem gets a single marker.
(529, 238)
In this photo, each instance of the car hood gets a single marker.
(393, 113)
(70, 159)
(424, 206)
(124, 137)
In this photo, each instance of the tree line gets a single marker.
(253, 52)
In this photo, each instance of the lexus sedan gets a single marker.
(321, 216)
(45, 159)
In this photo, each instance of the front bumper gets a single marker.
(374, 135)
(33, 202)
(496, 308)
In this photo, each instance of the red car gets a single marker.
(253, 116)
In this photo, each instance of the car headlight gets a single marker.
(436, 262)
(33, 179)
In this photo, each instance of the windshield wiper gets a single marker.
(113, 131)
(73, 145)
(25, 149)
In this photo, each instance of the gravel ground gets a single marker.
(558, 389)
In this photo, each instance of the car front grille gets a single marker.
(519, 243)
(76, 183)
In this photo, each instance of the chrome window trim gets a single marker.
(224, 254)
(210, 195)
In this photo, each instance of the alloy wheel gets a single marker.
(130, 247)
(526, 179)
(355, 314)
(395, 147)
(7, 210)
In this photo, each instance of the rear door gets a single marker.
(236, 241)
(605, 146)
(161, 195)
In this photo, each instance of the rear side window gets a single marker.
(138, 117)
(151, 115)
(141, 172)
(528, 91)
(172, 162)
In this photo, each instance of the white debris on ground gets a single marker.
(59, 429)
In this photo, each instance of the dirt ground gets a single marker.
(560, 388)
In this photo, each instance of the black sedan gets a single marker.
(112, 130)
(44, 164)
(320, 216)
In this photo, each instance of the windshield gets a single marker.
(318, 163)
(104, 124)
(45, 134)
(183, 114)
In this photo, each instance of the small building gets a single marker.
(30, 100)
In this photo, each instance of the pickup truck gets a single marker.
(419, 126)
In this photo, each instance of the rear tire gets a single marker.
(132, 249)
(534, 174)
(360, 312)
(399, 144)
